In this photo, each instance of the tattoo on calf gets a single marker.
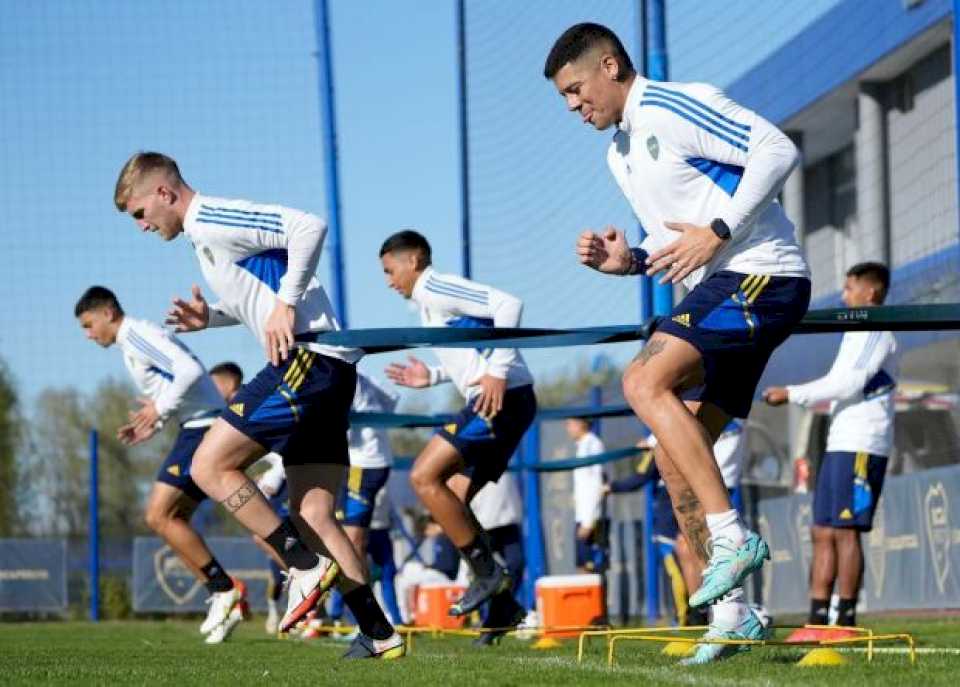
(240, 497)
(694, 524)
(650, 349)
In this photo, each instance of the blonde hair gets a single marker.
(136, 169)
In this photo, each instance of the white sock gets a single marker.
(730, 610)
(726, 524)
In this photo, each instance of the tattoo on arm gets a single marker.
(650, 349)
(693, 522)
(241, 497)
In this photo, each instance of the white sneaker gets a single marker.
(222, 631)
(273, 618)
(305, 589)
(384, 649)
(221, 603)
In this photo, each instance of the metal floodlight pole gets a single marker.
(955, 46)
(331, 168)
(94, 528)
(464, 143)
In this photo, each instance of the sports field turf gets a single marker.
(172, 653)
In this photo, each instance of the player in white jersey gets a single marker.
(260, 260)
(860, 386)
(500, 403)
(590, 526)
(176, 388)
(701, 173)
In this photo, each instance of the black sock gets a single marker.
(847, 612)
(373, 623)
(819, 611)
(217, 579)
(697, 616)
(285, 540)
(479, 557)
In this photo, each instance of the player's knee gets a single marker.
(639, 391)
(421, 480)
(202, 469)
(317, 513)
(156, 519)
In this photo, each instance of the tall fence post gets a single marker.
(533, 528)
(465, 260)
(331, 168)
(94, 528)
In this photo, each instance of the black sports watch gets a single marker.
(720, 228)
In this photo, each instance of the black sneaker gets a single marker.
(504, 621)
(384, 649)
(480, 590)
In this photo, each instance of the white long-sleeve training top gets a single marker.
(370, 446)
(498, 504)
(588, 482)
(446, 300)
(251, 254)
(684, 152)
(165, 370)
(860, 385)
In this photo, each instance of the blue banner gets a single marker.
(33, 575)
(161, 582)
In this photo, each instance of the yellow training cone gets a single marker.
(679, 649)
(822, 657)
(545, 643)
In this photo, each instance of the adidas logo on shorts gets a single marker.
(237, 409)
(683, 319)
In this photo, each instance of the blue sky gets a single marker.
(230, 90)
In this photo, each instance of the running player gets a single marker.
(702, 174)
(260, 259)
(176, 388)
(500, 404)
(860, 387)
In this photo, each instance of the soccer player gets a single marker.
(860, 387)
(176, 388)
(260, 259)
(500, 404)
(702, 174)
(590, 527)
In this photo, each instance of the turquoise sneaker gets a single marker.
(749, 628)
(728, 567)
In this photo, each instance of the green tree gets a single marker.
(11, 435)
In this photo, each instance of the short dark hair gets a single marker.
(227, 368)
(96, 297)
(874, 271)
(580, 39)
(408, 239)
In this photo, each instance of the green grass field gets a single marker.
(141, 652)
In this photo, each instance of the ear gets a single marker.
(610, 66)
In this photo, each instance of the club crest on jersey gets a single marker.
(653, 147)
(208, 254)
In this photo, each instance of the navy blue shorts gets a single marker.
(359, 494)
(486, 445)
(594, 552)
(848, 488)
(736, 321)
(300, 408)
(175, 470)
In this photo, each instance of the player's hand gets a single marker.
(279, 332)
(143, 424)
(490, 400)
(695, 248)
(414, 374)
(189, 316)
(584, 533)
(606, 251)
(776, 395)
